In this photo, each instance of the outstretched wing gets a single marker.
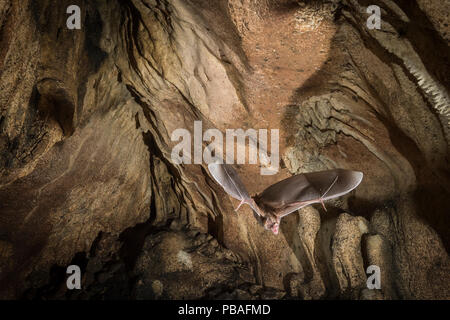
(229, 179)
(304, 189)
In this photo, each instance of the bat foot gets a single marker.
(240, 204)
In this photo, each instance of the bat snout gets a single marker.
(272, 225)
(275, 228)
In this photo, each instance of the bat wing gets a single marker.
(229, 179)
(304, 189)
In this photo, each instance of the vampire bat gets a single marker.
(287, 195)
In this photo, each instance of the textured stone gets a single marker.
(183, 271)
(347, 257)
(86, 176)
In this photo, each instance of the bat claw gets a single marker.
(323, 205)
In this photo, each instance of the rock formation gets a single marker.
(86, 175)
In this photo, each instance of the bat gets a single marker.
(288, 195)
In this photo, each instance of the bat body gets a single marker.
(288, 195)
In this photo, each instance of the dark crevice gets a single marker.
(423, 36)
(432, 190)
(389, 58)
(56, 281)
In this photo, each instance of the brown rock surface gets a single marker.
(86, 118)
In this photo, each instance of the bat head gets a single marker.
(272, 224)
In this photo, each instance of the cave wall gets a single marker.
(85, 132)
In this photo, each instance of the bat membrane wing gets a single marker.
(335, 183)
(288, 191)
(301, 190)
(229, 179)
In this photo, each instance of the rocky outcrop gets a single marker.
(176, 266)
(86, 175)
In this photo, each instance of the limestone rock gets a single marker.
(347, 257)
(86, 123)
(173, 266)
